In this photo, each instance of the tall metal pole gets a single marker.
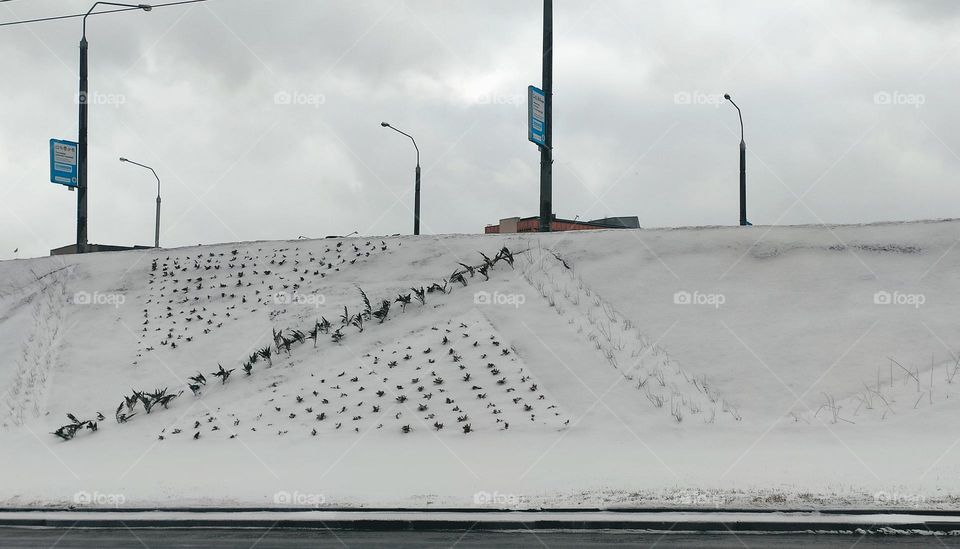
(743, 184)
(546, 151)
(82, 149)
(416, 201)
(156, 233)
(416, 198)
(743, 166)
(82, 130)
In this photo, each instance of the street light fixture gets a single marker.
(743, 167)
(156, 234)
(82, 138)
(416, 199)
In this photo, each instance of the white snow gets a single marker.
(786, 381)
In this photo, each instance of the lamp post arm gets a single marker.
(158, 182)
(411, 139)
(740, 114)
(94, 6)
(127, 160)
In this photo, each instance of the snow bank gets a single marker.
(702, 367)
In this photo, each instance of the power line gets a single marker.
(58, 17)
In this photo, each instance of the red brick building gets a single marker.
(532, 224)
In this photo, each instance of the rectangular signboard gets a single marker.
(536, 109)
(63, 162)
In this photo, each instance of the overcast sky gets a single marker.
(263, 117)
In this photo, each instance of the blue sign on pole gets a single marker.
(63, 162)
(536, 110)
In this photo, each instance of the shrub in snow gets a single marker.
(223, 374)
(420, 295)
(457, 276)
(67, 432)
(267, 354)
(435, 287)
(367, 308)
(121, 416)
(382, 312)
(198, 379)
(357, 321)
(468, 268)
(505, 255)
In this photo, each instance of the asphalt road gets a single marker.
(284, 539)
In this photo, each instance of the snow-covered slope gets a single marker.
(706, 366)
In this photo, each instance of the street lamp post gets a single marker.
(546, 151)
(156, 234)
(82, 138)
(416, 199)
(743, 166)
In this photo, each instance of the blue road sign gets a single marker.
(63, 162)
(536, 110)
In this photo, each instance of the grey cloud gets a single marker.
(200, 90)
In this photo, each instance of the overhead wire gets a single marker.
(59, 17)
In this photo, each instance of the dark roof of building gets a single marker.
(621, 222)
